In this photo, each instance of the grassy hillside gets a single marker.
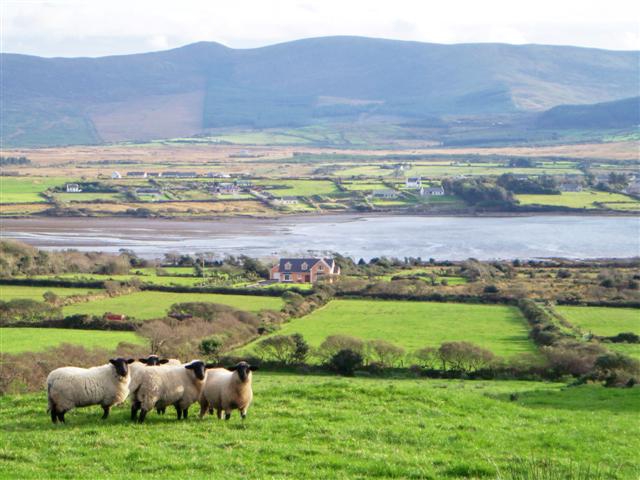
(146, 305)
(602, 321)
(414, 325)
(17, 340)
(327, 427)
(619, 114)
(10, 292)
(53, 101)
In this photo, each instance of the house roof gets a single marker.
(414, 179)
(297, 263)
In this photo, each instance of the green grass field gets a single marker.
(603, 321)
(87, 197)
(10, 292)
(16, 340)
(584, 199)
(301, 188)
(414, 325)
(27, 189)
(327, 427)
(151, 278)
(146, 305)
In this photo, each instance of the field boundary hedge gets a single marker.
(432, 297)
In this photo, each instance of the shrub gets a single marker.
(563, 273)
(464, 356)
(427, 357)
(281, 348)
(572, 358)
(211, 346)
(301, 350)
(616, 370)
(385, 353)
(334, 343)
(490, 289)
(345, 362)
(625, 337)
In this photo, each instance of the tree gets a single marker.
(281, 348)
(302, 348)
(385, 353)
(334, 343)
(50, 297)
(345, 362)
(464, 356)
(427, 357)
(211, 347)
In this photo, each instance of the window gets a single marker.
(287, 277)
(321, 268)
(304, 266)
(287, 266)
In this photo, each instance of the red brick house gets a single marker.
(304, 270)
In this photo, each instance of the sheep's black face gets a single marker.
(199, 369)
(244, 370)
(121, 365)
(152, 361)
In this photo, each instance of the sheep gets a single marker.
(171, 361)
(71, 387)
(227, 389)
(178, 385)
(137, 367)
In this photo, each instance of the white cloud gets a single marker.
(99, 27)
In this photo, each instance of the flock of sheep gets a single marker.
(151, 383)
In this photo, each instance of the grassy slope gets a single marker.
(327, 427)
(584, 199)
(603, 321)
(146, 305)
(10, 292)
(413, 325)
(15, 340)
(27, 189)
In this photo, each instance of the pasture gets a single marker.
(148, 304)
(27, 189)
(585, 199)
(328, 427)
(414, 325)
(11, 292)
(17, 340)
(603, 321)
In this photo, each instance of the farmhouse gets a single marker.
(413, 182)
(304, 270)
(386, 193)
(286, 200)
(73, 188)
(116, 175)
(570, 187)
(431, 191)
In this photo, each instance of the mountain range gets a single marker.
(206, 86)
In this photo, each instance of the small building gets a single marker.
(632, 188)
(413, 182)
(432, 191)
(154, 174)
(244, 183)
(179, 174)
(570, 187)
(286, 200)
(115, 317)
(116, 175)
(386, 193)
(225, 189)
(137, 174)
(304, 270)
(73, 188)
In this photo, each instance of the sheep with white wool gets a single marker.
(178, 385)
(72, 387)
(227, 389)
(136, 368)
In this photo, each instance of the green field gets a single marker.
(87, 197)
(10, 292)
(584, 199)
(603, 321)
(27, 189)
(16, 340)
(301, 188)
(146, 305)
(327, 427)
(414, 325)
(151, 278)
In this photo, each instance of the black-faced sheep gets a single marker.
(227, 389)
(71, 387)
(169, 385)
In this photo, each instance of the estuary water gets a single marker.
(452, 238)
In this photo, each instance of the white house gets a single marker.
(432, 191)
(73, 188)
(116, 174)
(286, 200)
(413, 182)
(386, 193)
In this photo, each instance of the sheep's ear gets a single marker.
(164, 360)
(112, 361)
(253, 368)
(232, 369)
(210, 365)
(131, 360)
(190, 366)
(143, 360)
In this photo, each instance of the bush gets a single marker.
(625, 337)
(345, 362)
(427, 357)
(572, 358)
(490, 289)
(384, 353)
(464, 356)
(616, 370)
(211, 346)
(334, 343)
(284, 349)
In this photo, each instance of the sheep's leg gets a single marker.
(227, 414)
(54, 415)
(135, 406)
(61, 416)
(106, 409)
(178, 411)
(203, 408)
(143, 414)
(243, 413)
(185, 412)
(219, 413)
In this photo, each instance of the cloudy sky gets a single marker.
(106, 27)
